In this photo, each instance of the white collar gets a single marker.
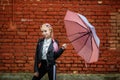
(48, 40)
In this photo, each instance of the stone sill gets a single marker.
(60, 76)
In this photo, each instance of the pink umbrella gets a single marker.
(83, 36)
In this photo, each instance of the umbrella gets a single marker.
(82, 36)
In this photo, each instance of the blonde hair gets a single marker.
(48, 26)
(55, 45)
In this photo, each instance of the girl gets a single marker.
(46, 53)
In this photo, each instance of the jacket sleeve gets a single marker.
(36, 58)
(59, 52)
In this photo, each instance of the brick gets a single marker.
(101, 66)
(17, 47)
(18, 40)
(7, 65)
(22, 33)
(3, 68)
(33, 33)
(20, 65)
(100, 69)
(20, 61)
(7, 61)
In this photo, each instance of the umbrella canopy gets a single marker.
(83, 36)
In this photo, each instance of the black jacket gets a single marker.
(51, 55)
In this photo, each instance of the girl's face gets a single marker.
(46, 32)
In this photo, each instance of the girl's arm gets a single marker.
(36, 58)
(60, 51)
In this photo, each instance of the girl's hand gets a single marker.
(36, 74)
(64, 46)
(39, 65)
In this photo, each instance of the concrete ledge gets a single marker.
(28, 76)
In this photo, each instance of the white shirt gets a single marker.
(46, 45)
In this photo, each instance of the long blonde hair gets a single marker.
(50, 28)
(55, 45)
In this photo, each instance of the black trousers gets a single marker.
(51, 70)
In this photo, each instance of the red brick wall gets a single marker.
(19, 31)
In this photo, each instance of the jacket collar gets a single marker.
(50, 47)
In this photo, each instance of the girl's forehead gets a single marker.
(44, 28)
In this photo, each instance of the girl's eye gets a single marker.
(45, 31)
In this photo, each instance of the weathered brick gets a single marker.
(18, 46)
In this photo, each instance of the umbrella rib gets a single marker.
(84, 22)
(78, 24)
(76, 33)
(91, 47)
(86, 42)
(95, 43)
(80, 37)
(91, 38)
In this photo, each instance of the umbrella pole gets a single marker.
(86, 74)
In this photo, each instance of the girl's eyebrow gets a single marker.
(43, 30)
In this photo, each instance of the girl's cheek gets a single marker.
(48, 33)
(43, 34)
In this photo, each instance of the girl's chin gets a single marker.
(47, 37)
